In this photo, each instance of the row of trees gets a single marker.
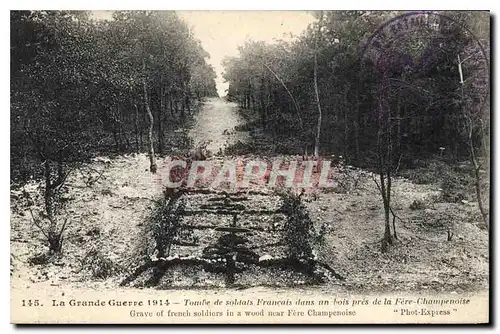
(380, 88)
(322, 88)
(81, 86)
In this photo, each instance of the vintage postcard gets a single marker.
(181, 167)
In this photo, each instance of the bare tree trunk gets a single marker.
(183, 101)
(48, 194)
(262, 102)
(388, 172)
(152, 162)
(356, 127)
(115, 137)
(385, 190)
(316, 91)
(183, 105)
(188, 102)
(123, 135)
(171, 106)
(141, 132)
(346, 135)
(296, 105)
(395, 234)
(384, 165)
(54, 237)
(483, 139)
(176, 105)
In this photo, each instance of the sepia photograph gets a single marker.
(249, 166)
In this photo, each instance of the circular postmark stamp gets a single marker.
(430, 59)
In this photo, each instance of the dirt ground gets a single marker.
(106, 222)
